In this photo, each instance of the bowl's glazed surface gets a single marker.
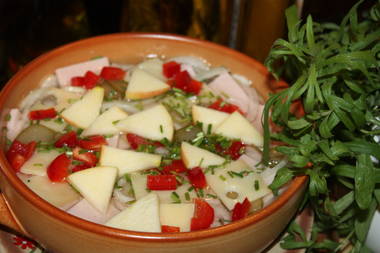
(63, 233)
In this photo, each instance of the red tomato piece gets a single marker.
(42, 114)
(77, 81)
(25, 150)
(16, 160)
(69, 139)
(135, 141)
(16, 147)
(184, 82)
(203, 215)
(222, 106)
(176, 166)
(80, 167)
(112, 73)
(197, 178)
(161, 182)
(58, 169)
(235, 150)
(195, 87)
(29, 149)
(90, 80)
(94, 142)
(88, 158)
(241, 210)
(170, 69)
(19, 153)
(169, 229)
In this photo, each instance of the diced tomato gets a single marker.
(224, 107)
(16, 147)
(169, 229)
(161, 182)
(112, 73)
(42, 114)
(90, 80)
(87, 157)
(184, 82)
(94, 142)
(77, 81)
(135, 141)
(25, 150)
(16, 160)
(29, 149)
(176, 166)
(197, 178)
(203, 215)
(170, 69)
(80, 167)
(235, 150)
(241, 210)
(69, 139)
(19, 153)
(58, 169)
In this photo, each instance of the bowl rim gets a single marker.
(55, 213)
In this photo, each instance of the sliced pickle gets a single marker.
(38, 133)
(256, 205)
(187, 133)
(114, 89)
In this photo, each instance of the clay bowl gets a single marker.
(60, 232)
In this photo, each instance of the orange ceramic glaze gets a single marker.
(62, 233)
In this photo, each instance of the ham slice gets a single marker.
(225, 86)
(65, 74)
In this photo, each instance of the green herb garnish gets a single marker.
(334, 70)
(175, 198)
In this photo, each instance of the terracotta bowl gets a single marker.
(60, 232)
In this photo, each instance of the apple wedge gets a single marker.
(232, 188)
(208, 117)
(95, 185)
(65, 74)
(105, 123)
(143, 216)
(60, 195)
(84, 111)
(177, 215)
(126, 160)
(154, 123)
(153, 67)
(193, 156)
(38, 163)
(238, 127)
(144, 85)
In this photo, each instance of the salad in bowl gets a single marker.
(112, 143)
(171, 145)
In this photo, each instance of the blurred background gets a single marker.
(29, 28)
